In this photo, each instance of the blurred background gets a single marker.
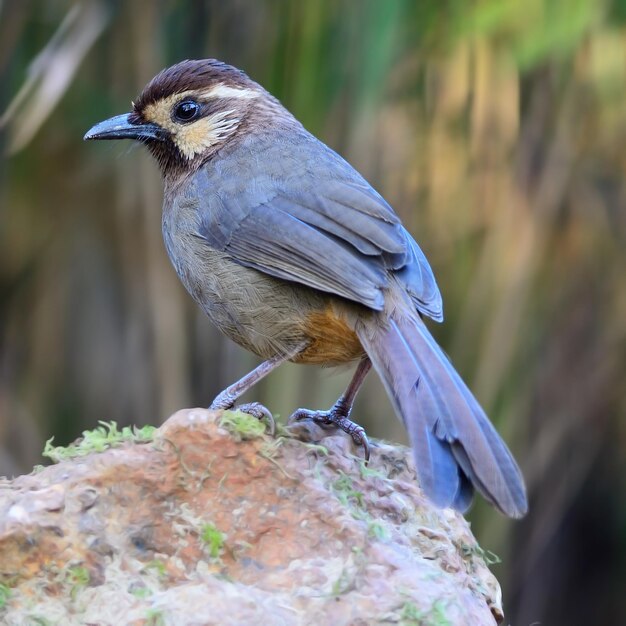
(497, 130)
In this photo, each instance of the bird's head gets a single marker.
(187, 112)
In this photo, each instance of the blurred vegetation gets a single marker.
(496, 128)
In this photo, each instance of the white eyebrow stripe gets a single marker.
(224, 91)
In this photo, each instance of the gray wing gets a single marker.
(297, 211)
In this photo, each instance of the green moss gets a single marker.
(376, 530)
(410, 615)
(242, 425)
(5, 594)
(437, 615)
(141, 592)
(354, 501)
(368, 472)
(105, 436)
(343, 584)
(345, 491)
(155, 617)
(213, 539)
(316, 447)
(489, 557)
(78, 578)
(39, 620)
(158, 566)
(269, 451)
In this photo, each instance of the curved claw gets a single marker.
(256, 409)
(321, 418)
(360, 438)
(366, 451)
(335, 417)
(299, 415)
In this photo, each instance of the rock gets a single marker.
(210, 521)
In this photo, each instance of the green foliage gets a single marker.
(105, 436)
(242, 425)
(533, 30)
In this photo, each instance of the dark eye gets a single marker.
(186, 111)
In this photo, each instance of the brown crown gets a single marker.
(188, 75)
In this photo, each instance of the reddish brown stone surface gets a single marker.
(203, 527)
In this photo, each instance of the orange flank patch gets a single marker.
(333, 341)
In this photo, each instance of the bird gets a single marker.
(293, 255)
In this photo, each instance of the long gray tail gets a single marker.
(455, 446)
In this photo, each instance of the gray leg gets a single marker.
(227, 398)
(339, 414)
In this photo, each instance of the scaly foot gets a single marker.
(337, 416)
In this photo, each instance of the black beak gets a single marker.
(120, 127)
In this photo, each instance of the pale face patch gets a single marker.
(196, 137)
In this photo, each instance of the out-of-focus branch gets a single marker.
(51, 72)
